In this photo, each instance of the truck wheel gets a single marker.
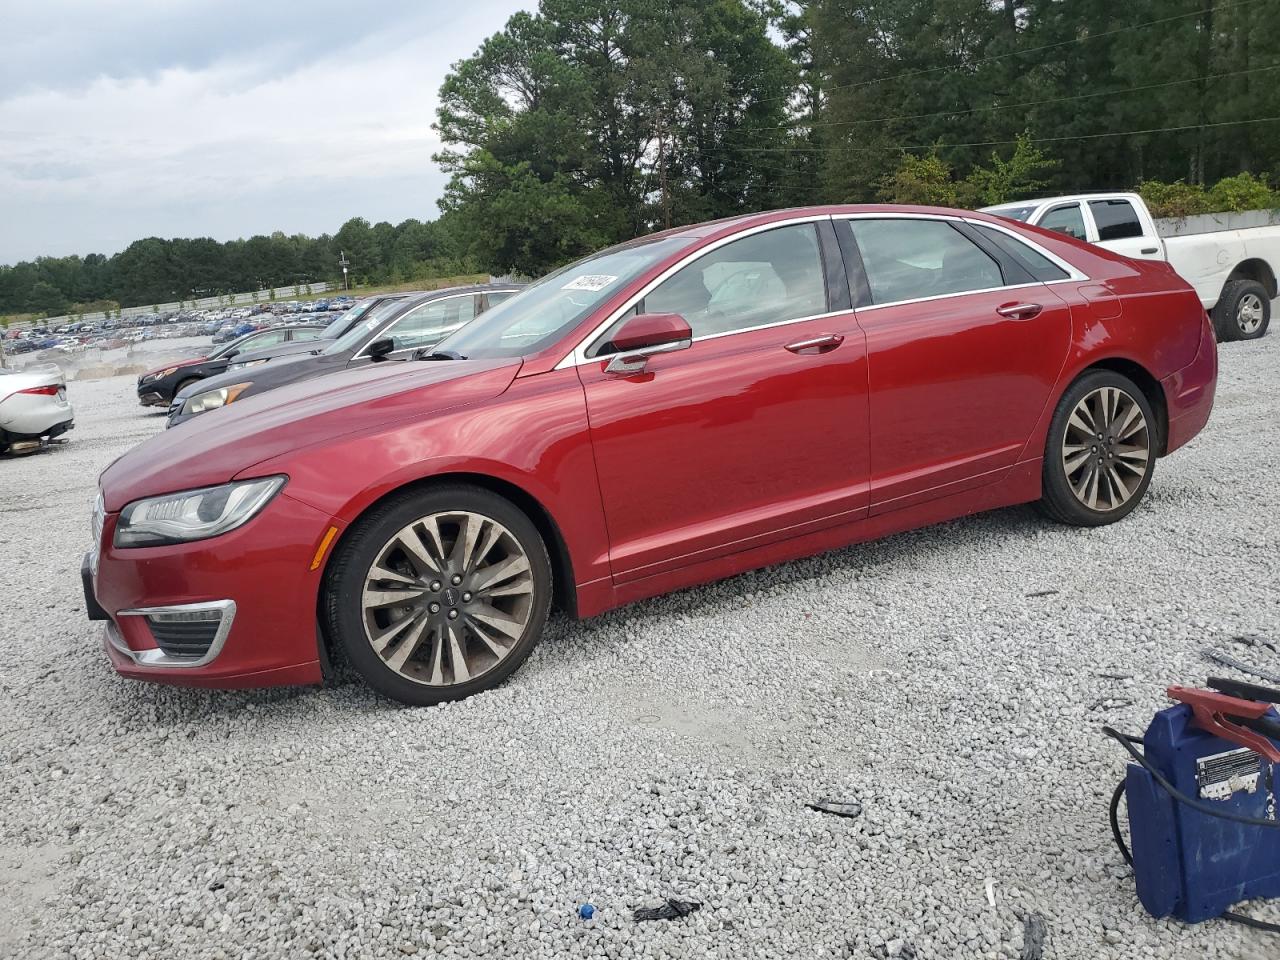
(1243, 312)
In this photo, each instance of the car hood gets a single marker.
(216, 446)
(176, 363)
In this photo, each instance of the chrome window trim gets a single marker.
(577, 355)
(157, 657)
(1073, 274)
(947, 296)
(361, 355)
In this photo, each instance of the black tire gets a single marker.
(182, 386)
(1231, 321)
(342, 605)
(1059, 499)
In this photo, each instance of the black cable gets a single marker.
(1250, 921)
(1126, 740)
(1115, 824)
(1181, 797)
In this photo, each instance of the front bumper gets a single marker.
(258, 576)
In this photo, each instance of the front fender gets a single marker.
(534, 437)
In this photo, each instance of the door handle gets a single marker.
(1150, 249)
(1019, 311)
(823, 344)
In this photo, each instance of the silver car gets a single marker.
(33, 407)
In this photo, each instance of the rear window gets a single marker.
(1116, 219)
(1035, 263)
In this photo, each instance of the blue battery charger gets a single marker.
(1188, 864)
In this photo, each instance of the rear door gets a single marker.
(964, 345)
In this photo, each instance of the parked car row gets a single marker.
(222, 325)
(391, 328)
(415, 496)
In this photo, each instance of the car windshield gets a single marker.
(356, 335)
(1021, 214)
(541, 313)
(339, 323)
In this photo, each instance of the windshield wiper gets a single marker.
(438, 355)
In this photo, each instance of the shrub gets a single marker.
(1242, 192)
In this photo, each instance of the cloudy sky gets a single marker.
(122, 119)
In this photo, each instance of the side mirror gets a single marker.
(645, 335)
(381, 349)
(233, 354)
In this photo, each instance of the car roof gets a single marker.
(1065, 198)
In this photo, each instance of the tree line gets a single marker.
(594, 121)
(156, 270)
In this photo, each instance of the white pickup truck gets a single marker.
(1230, 258)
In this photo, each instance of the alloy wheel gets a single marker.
(1249, 313)
(1106, 449)
(447, 598)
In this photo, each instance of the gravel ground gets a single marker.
(667, 749)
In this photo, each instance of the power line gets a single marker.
(998, 143)
(1010, 106)
(1017, 53)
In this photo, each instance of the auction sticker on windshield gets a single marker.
(591, 281)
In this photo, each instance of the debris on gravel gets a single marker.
(669, 746)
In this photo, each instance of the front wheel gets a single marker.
(1101, 451)
(439, 594)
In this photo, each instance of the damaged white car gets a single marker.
(33, 408)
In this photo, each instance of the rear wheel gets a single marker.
(1243, 311)
(439, 594)
(1101, 451)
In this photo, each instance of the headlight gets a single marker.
(213, 399)
(159, 375)
(193, 514)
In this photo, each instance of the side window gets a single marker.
(270, 339)
(1116, 219)
(765, 278)
(907, 259)
(1066, 219)
(1036, 264)
(307, 333)
(432, 322)
(497, 298)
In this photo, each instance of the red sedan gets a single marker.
(673, 410)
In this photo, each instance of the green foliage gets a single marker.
(1242, 192)
(1023, 175)
(1176, 199)
(925, 180)
(592, 121)
(1230, 194)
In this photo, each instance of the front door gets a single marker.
(755, 433)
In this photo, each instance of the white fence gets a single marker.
(205, 303)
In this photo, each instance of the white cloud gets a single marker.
(250, 138)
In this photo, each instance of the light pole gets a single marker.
(343, 262)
